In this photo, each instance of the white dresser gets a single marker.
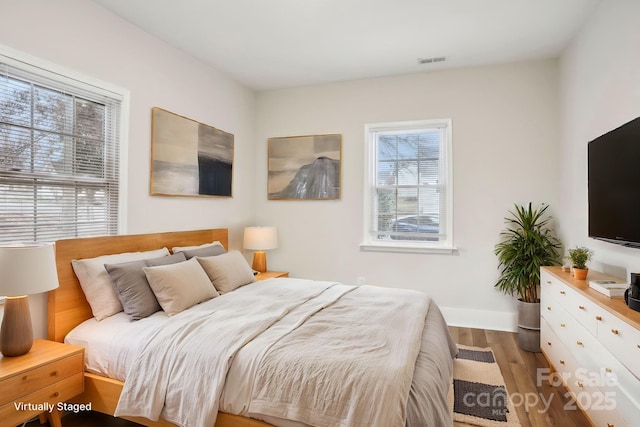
(592, 343)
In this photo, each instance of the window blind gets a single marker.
(410, 194)
(59, 155)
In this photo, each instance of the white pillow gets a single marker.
(227, 271)
(189, 248)
(96, 282)
(180, 286)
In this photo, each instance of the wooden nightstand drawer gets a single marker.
(34, 379)
(271, 275)
(50, 373)
(26, 407)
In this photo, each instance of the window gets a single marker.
(59, 155)
(408, 202)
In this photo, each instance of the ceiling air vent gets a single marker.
(431, 60)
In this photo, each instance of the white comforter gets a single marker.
(347, 359)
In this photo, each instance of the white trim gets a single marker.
(57, 72)
(123, 186)
(481, 319)
(397, 247)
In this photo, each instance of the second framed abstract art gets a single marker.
(305, 167)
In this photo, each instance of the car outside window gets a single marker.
(408, 201)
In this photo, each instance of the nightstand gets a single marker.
(271, 275)
(36, 382)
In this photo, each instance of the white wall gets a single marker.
(506, 134)
(600, 81)
(80, 35)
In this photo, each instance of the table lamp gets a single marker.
(260, 239)
(24, 270)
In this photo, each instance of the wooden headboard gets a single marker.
(67, 305)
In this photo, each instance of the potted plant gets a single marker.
(579, 256)
(527, 244)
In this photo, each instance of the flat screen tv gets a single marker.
(614, 185)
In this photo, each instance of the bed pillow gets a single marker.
(190, 248)
(96, 283)
(208, 249)
(132, 288)
(180, 286)
(228, 271)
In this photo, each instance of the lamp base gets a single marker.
(259, 261)
(16, 333)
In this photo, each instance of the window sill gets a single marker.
(444, 250)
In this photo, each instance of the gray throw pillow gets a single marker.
(204, 252)
(132, 287)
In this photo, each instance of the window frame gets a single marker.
(65, 76)
(369, 243)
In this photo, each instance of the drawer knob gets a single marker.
(608, 370)
(580, 343)
(56, 394)
(581, 307)
(580, 384)
(548, 308)
(54, 374)
(561, 362)
(598, 317)
(562, 292)
(610, 425)
(548, 282)
(562, 325)
(615, 331)
(26, 377)
(548, 342)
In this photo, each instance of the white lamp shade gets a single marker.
(28, 269)
(260, 238)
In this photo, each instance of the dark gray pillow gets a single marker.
(204, 252)
(166, 260)
(132, 288)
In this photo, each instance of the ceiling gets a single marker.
(269, 44)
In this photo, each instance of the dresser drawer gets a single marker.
(548, 284)
(557, 318)
(21, 384)
(591, 389)
(557, 354)
(622, 340)
(583, 310)
(51, 394)
(604, 417)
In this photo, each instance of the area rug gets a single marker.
(479, 395)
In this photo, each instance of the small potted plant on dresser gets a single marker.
(579, 256)
(527, 244)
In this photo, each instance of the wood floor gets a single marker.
(519, 369)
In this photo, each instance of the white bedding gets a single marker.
(115, 343)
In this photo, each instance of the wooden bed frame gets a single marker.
(68, 307)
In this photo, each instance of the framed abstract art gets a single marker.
(189, 158)
(305, 167)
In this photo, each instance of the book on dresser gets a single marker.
(610, 288)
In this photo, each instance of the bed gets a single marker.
(69, 310)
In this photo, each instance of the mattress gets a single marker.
(111, 347)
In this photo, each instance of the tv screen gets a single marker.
(614, 185)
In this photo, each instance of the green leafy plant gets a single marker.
(579, 256)
(527, 244)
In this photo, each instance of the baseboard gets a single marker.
(481, 319)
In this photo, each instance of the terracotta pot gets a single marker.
(580, 274)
